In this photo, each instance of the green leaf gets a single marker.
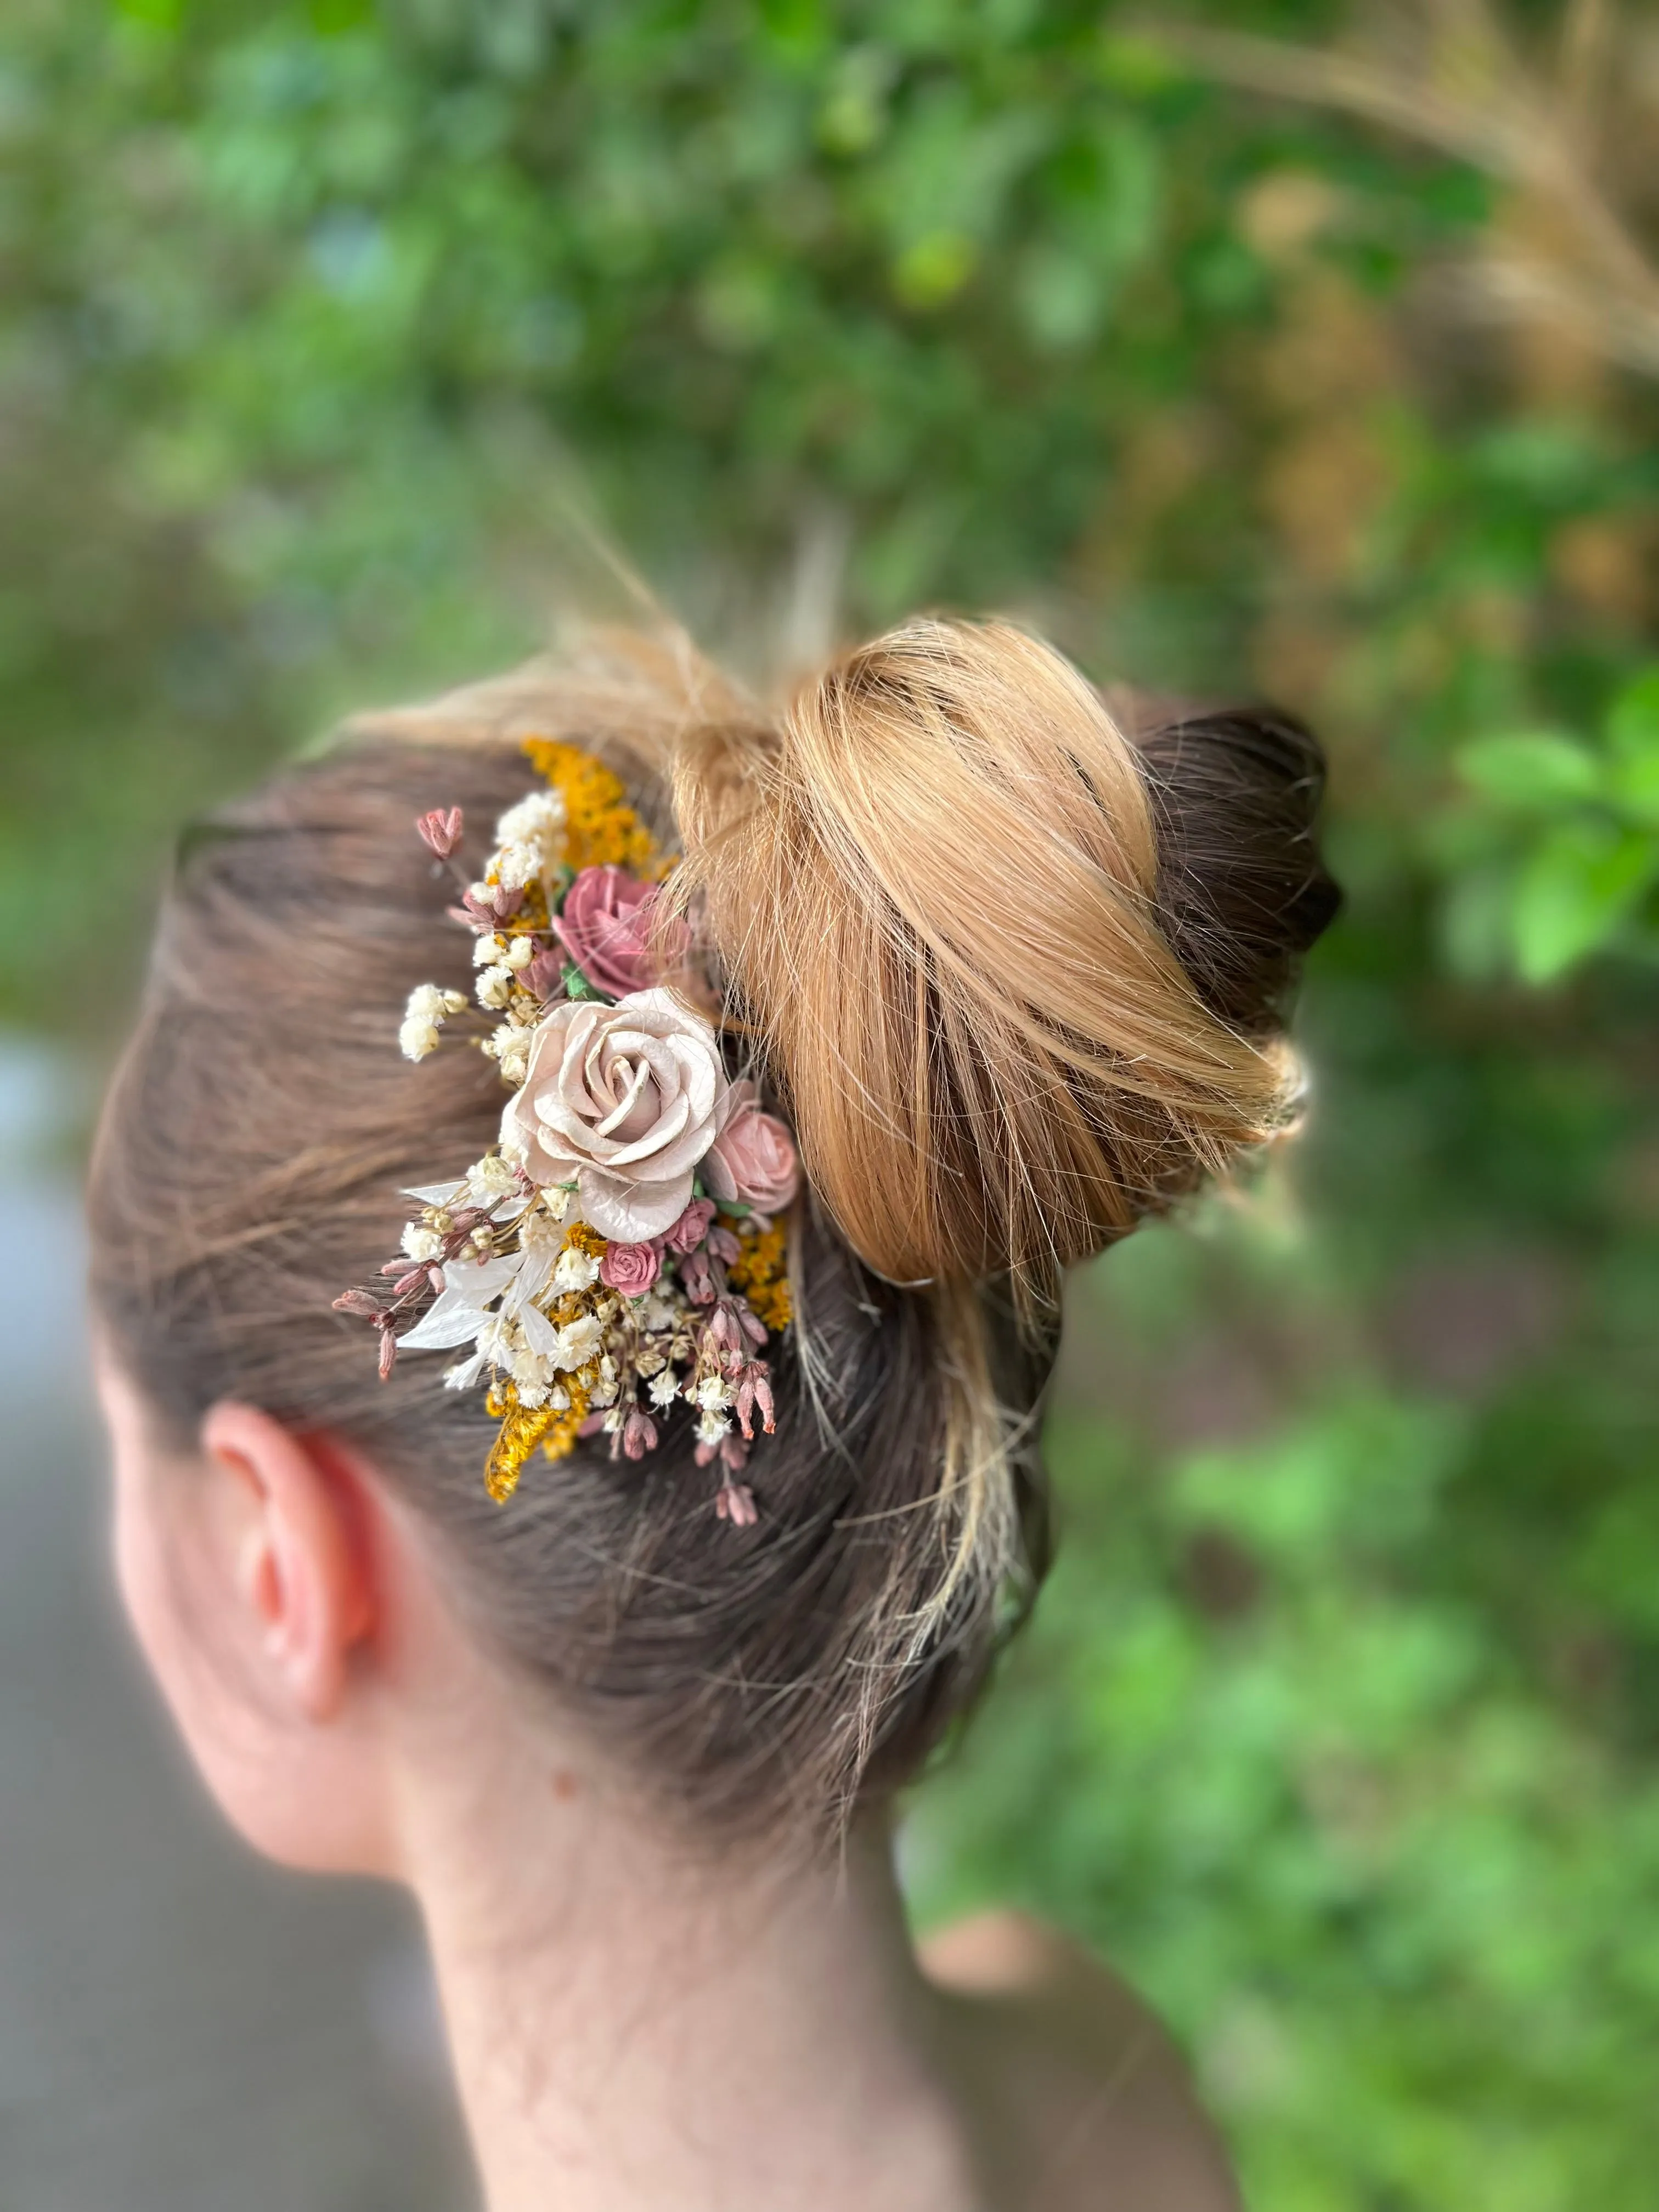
(1531, 768)
(576, 985)
(1633, 720)
(1573, 893)
(1634, 740)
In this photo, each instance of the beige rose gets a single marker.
(624, 1100)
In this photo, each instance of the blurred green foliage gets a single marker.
(1338, 1725)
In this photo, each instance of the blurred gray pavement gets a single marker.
(182, 2029)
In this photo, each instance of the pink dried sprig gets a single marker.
(440, 829)
(755, 1396)
(735, 1502)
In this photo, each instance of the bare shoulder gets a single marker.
(1085, 2103)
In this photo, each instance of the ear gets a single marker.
(293, 1553)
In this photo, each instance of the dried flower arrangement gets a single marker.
(620, 1251)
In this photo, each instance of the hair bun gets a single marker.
(935, 885)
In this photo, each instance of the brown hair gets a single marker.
(1016, 968)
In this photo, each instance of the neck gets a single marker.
(635, 2025)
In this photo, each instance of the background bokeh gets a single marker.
(1297, 350)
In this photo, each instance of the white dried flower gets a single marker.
(665, 1388)
(499, 1340)
(494, 985)
(518, 952)
(529, 1370)
(711, 1427)
(423, 1016)
(714, 1394)
(603, 1394)
(576, 1270)
(487, 949)
(535, 819)
(422, 1243)
(578, 1341)
(517, 864)
(491, 1180)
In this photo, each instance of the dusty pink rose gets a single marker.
(692, 1226)
(752, 1160)
(630, 1268)
(623, 1100)
(605, 925)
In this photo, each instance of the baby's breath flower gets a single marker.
(490, 1181)
(487, 948)
(494, 985)
(578, 1341)
(538, 818)
(518, 952)
(576, 1270)
(423, 1016)
(665, 1388)
(711, 1427)
(422, 1243)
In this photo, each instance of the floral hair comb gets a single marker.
(620, 1251)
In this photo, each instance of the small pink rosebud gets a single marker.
(388, 1350)
(360, 1302)
(630, 1268)
(638, 1434)
(441, 829)
(735, 1502)
(688, 1232)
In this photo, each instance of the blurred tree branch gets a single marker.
(1448, 73)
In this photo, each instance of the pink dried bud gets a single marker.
(763, 1397)
(753, 1327)
(754, 1389)
(723, 1327)
(545, 974)
(441, 829)
(734, 1453)
(704, 1453)
(388, 1350)
(360, 1302)
(735, 1502)
(593, 1426)
(638, 1434)
(698, 1280)
(724, 1245)
(692, 1226)
(406, 1283)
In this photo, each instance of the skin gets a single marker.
(634, 2023)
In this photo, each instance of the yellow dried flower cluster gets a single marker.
(601, 828)
(524, 1427)
(759, 1273)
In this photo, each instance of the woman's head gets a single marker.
(1016, 969)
